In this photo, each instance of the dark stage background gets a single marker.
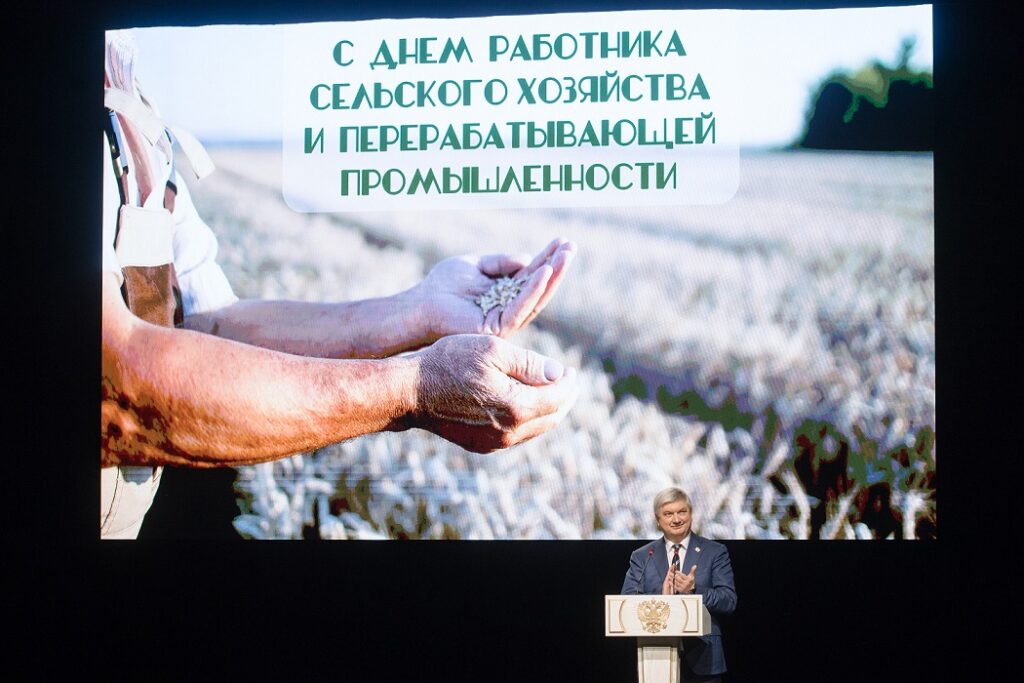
(515, 611)
(496, 611)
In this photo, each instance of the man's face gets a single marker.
(674, 520)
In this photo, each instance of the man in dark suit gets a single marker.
(682, 562)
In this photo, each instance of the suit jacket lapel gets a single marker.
(660, 562)
(692, 554)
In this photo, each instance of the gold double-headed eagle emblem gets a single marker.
(653, 614)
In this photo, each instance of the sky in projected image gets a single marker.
(213, 80)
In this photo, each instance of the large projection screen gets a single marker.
(758, 328)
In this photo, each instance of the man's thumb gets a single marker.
(530, 367)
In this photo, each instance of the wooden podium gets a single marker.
(659, 623)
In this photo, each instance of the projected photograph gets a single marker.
(767, 343)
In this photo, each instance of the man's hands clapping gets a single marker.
(678, 583)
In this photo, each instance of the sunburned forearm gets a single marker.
(374, 328)
(177, 397)
(182, 397)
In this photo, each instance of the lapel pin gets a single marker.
(697, 549)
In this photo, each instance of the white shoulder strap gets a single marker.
(200, 161)
(152, 128)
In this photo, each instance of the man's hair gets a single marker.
(673, 494)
